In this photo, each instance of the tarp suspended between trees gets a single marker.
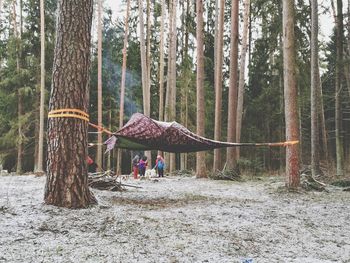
(144, 133)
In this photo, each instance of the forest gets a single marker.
(243, 51)
(248, 101)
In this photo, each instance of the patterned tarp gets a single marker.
(144, 133)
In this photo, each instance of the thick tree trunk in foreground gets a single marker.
(66, 183)
(315, 85)
(232, 95)
(290, 95)
(200, 163)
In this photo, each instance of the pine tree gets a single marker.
(66, 183)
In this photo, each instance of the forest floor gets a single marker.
(177, 219)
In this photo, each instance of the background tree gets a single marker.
(42, 88)
(315, 169)
(66, 183)
(290, 95)
(122, 85)
(241, 80)
(99, 84)
(170, 101)
(218, 84)
(161, 63)
(200, 164)
(338, 90)
(232, 95)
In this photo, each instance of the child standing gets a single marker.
(143, 165)
(160, 166)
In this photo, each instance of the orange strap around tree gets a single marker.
(78, 114)
(69, 113)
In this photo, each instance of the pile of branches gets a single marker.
(105, 182)
(308, 182)
(231, 175)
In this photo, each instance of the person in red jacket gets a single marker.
(135, 165)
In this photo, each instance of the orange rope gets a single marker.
(99, 128)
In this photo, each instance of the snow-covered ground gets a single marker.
(176, 219)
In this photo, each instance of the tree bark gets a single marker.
(122, 84)
(338, 90)
(170, 109)
(186, 79)
(161, 65)
(42, 89)
(200, 158)
(315, 159)
(99, 158)
(20, 112)
(242, 73)
(218, 83)
(144, 69)
(290, 95)
(232, 95)
(66, 183)
(322, 120)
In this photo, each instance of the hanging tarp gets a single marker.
(144, 133)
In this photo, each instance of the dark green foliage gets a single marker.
(24, 80)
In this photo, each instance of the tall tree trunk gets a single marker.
(216, 33)
(99, 85)
(122, 85)
(148, 66)
(200, 160)
(322, 120)
(338, 89)
(144, 69)
(172, 163)
(42, 88)
(186, 84)
(17, 35)
(37, 125)
(242, 73)
(66, 183)
(167, 107)
(232, 95)
(19, 168)
(170, 110)
(161, 65)
(218, 83)
(290, 95)
(315, 159)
